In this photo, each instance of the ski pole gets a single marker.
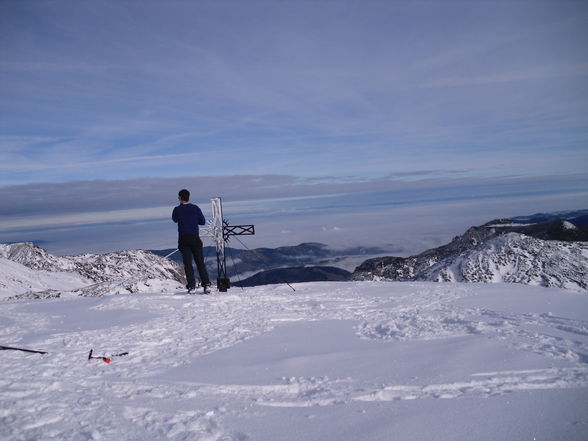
(104, 359)
(10, 348)
(173, 252)
(94, 357)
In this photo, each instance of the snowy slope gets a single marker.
(361, 361)
(516, 258)
(28, 270)
(16, 278)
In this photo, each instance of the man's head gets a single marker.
(184, 195)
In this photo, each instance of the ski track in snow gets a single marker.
(127, 400)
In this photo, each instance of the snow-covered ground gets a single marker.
(330, 362)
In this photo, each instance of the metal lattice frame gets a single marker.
(220, 231)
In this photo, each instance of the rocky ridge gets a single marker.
(499, 251)
(87, 274)
(128, 264)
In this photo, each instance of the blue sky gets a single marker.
(345, 122)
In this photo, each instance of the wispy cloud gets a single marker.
(84, 218)
(341, 92)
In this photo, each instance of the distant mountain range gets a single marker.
(552, 252)
(449, 262)
(296, 275)
(245, 263)
(577, 217)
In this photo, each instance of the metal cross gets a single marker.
(220, 230)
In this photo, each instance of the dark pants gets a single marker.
(191, 245)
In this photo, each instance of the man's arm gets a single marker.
(175, 215)
(201, 218)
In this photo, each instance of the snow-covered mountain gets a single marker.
(26, 268)
(34, 257)
(517, 258)
(499, 251)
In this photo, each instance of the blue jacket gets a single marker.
(188, 217)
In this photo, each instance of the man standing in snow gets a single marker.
(188, 217)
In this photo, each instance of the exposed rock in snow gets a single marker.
(129, 287)
(126, 265)
(136, 286)
(35, 257)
